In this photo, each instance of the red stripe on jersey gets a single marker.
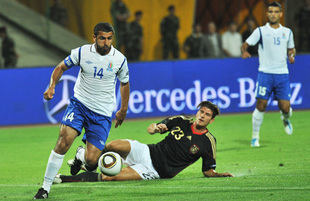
(192, 127)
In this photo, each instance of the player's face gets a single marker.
(103, 42)
(274, 14)
(204, 117)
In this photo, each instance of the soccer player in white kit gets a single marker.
(93, 102)
(276, 43)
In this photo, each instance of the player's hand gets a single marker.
(49, 93)
(161, 128)
(245, 55)
(119, 117)
(291, 59)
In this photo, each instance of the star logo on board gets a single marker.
(54, 107)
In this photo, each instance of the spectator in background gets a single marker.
(58, 13)
(303, 24)
(250, 28)
(232, 41)
(8, 49)
(133, 48)
(168, 29)
(211, 43)
(193, 42)
(120, 14)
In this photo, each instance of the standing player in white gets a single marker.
(276, 43)
(93, 102)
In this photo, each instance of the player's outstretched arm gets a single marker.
(56, 75)
(154, 128)
(121, 114)
(213, 173)
(245, 53)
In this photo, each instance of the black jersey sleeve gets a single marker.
(174, 121)
(209, 157)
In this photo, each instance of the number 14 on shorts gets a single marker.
(70, 116)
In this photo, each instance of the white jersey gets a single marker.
(95, 85)
(272, 48)
(232, 42)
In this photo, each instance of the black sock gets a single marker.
(91, 168)
(83, 177)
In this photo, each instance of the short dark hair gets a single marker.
(215, 110)
(103, 26)
(171, 7)
(2, 29)
(274, 4)
(138, 13)
(232, 22)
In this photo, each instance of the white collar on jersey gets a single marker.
(111, 53)
(268, 25)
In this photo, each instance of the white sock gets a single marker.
(81, 155)
(286, 116)
(257, 120)
(53, 165)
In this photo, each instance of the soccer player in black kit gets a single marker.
(187, 141)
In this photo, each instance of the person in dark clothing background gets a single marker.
(8, 49)
(168, 29)
(134, 44)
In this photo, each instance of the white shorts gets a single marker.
(140, 160)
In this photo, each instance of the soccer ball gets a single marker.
(110, 163)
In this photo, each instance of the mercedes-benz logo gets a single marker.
(60, 101)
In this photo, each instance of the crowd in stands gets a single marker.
(209, 44)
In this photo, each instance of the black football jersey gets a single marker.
(182, 147)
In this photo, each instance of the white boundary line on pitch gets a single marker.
(173, 187)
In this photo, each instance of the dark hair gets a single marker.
(215, 110)
(274, 4)
(231, 22)
(2, 29)
(138, 13)
(103, 26)
(171, 7)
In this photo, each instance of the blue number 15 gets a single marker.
(276, 40)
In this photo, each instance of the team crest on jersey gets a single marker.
(283, 36)
(194, 149)
(89, 62)
(110, 66)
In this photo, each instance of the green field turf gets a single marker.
(278, 170)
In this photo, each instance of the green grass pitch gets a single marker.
(278, 170)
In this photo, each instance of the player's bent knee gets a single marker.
(62, 146)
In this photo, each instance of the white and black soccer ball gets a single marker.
(110, 163)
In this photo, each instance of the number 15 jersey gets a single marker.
(272, 48)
